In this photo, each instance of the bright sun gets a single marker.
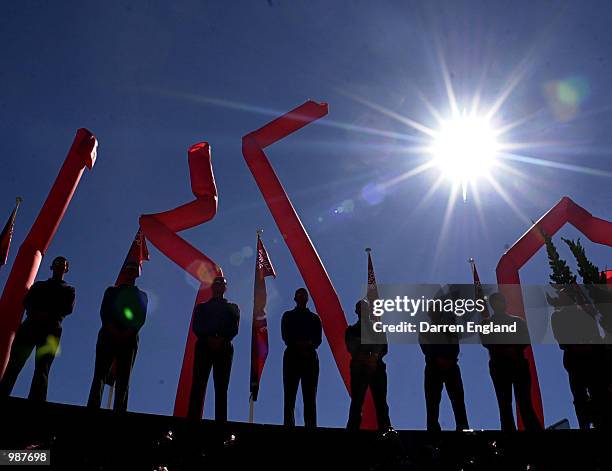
(464, 148)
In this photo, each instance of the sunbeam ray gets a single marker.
(560, 165)
(406, 175)
(427, 196)
(448, 213)
(229, 104)
(432, 110)
(519, 122)
(501, 192)
(392, 114)
(447, 81)
(484, 228)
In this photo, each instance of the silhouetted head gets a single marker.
(131, 271)
(454, 292)
(219, 287)
(362, 307)
(435, 314)
(59, 267)
(301, 297)
(498, 303)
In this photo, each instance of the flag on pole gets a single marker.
(372, 292)
(608, 276)
(7, 234)
(138, 253)
(478, 291)
(259, 331)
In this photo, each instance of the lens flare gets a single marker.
(566, 96)
(128, 314)
(373, 193)
(50, 347)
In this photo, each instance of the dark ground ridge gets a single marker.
(85, 439)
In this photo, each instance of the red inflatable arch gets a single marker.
(565, 211)
(303, 251)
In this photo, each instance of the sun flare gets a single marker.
(464, 148)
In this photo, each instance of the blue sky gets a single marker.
(152, 78)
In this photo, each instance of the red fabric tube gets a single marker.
(303, 251)
(82, 154)
(565, 211)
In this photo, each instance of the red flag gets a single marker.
(478, 291)
(608, 276)
(372, 293)
(259, 331)
(138, 253)
(7, 234)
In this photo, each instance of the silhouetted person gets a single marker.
(46, 303)
(367, 349)
(215, 324)
(441, 350)
(601, 295)
(509, 368)
(123, 313)
(301, 332)
(583, 356)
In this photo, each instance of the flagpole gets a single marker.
(9, 228)
(18, 201)
(371, 288)
(259, 232)
(368, 251)
(472, 263)
(251, 409)
(478, 291)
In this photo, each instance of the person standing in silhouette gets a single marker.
(441, 350)
(508, 366)
(578, 336)
(367, 349)
(215, 324)
(123, 313)
(47, 303)
(302, 333)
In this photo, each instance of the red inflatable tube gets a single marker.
(565, 211)
(161, 230)
(82, 154)
(305, 255)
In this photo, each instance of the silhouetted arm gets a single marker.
(234, 324)
(318, 332)
(198, 323)
(285, 328)
(352, 342)
(106, 309)
(30, 299)
(70, 298)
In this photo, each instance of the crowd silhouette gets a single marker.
(586, 353)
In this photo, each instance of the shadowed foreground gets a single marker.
(102, 440)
